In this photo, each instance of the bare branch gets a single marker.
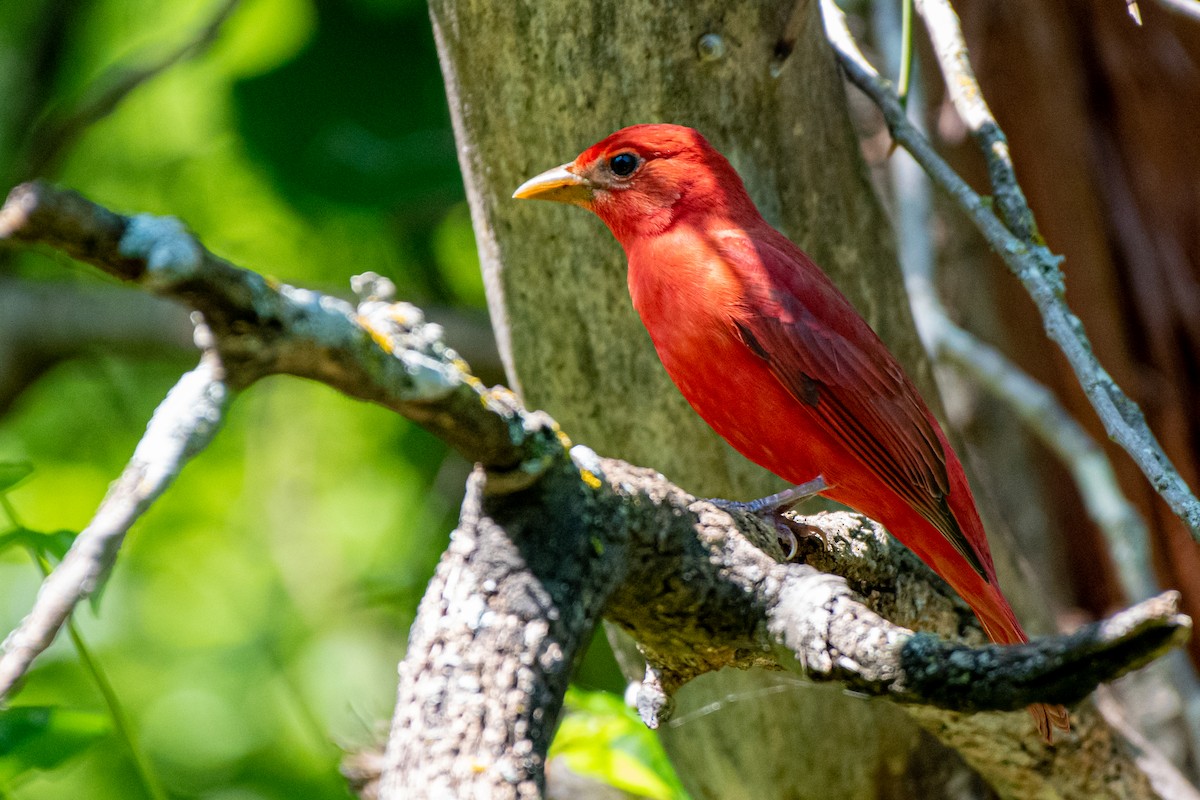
(1034, 404)
(700, 589)
(968, 100)
(381, 351)
(181, 427)
(548, 542)
(51, 139)
(1032, 263)
(264, 328)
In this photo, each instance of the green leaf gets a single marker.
(43, 737)
(53, 545)
(603, 739)
(13, 472)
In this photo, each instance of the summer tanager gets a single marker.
(774, 357)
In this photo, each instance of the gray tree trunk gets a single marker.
(530, 85)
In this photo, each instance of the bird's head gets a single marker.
(642, 180)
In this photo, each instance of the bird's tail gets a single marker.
(1002, 627)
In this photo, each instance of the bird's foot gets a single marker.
(772, 509)
(781, 501)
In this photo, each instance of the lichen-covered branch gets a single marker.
(528, 575)
(1028, 259)
(382, 352)
(181, 427)
(551, 539)
(249, 328)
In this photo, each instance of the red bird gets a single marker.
(774, 357)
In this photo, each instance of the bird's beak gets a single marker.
(559, 184)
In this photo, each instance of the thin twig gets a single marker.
(181, 427)
(1037, 269)
(967, 97)
(1186, 8)
(906, 52)
(91, 665)
(1034, 404)
(116, 710)
(51, 138)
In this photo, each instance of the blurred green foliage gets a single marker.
(602, 738)
(252, 626)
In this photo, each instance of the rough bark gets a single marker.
(547, 541)
(531, 86)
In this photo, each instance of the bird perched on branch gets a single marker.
(769, 352)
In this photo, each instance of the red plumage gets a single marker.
(769, 352)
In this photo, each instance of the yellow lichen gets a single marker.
(381, 338)
(468, 378)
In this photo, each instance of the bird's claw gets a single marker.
(772, 509)
(790, 531)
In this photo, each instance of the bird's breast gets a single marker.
(687, 302)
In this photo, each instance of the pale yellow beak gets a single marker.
(559, 185)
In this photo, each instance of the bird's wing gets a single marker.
(828, 358)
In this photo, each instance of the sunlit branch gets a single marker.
(181, 427)
(549, 539)
(1034, 404)
(1032, 263)
(381, 351)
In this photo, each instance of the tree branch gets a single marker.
(53, 136)
(1034, 404)
(550, 539)
(45, 323)
(527, 576)
(263, 328)
(1026, 257)
(181, 427)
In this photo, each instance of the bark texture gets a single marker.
(529, 87)
(546, 543)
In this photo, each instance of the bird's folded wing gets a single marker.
(862, 397)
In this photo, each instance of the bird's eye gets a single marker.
(623, 164)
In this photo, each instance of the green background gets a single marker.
(252, 626)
